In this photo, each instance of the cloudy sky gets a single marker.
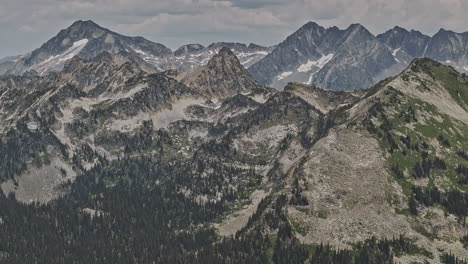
(26, 24)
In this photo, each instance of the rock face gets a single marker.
(188, 57)
(86, 39)
(400, 40)
(449, 48)
(353, 58)
(337, 59)
(223, 76)
(330, 58)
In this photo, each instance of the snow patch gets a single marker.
(283, 75)
(309, 82)
(139, 51)
(318, 63)
(64, 56)
(394, 53)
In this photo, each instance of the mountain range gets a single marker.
(330, 58)
(87, 40)
(354, 58)
(109, 157)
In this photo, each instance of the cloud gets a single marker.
(27, 24)
(26, 28)
(248, 4)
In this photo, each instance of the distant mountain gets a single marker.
(331, 58)
(190, 56)
(449, 48)
(445, 46)
(354, 58)
(7, 63)
(188, 49)
(400, 40)
(9, 58)
(86, 39)
(336, 59)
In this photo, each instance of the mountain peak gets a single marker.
(422, 64)
(357, 27)
(225, 51)
(223, 76)
(84, 24)
(427, 65)
(443, 31)
(311, 24)
(225, 57)
(397, 30)
(309, 27)
(358, 32)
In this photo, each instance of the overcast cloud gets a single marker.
(26, 24)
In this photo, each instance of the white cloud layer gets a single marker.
(26, 24)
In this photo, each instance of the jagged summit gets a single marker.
(331, 58)
(399, 29)
(357, 26)
(87, 40)
(353, 58)
(311, 25)
(86, 24)
(223, 76)
(224, 53)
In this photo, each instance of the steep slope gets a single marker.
(223, 76)
(449, 48)
(414, 124)
(353, 58)
(391, 162)
(85, 39)
(63, 113)
(297, 47)
(335, 59)
(405, 44)
(359, 62)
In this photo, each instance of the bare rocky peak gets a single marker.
(223, 76)
(85, 39)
